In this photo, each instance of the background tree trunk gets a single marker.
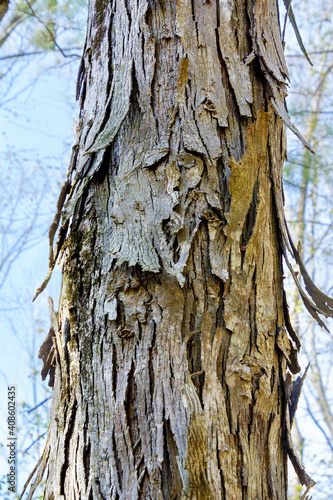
(171, 344)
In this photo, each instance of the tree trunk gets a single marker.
(171, 348)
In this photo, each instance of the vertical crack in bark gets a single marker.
(171, 478)
(86, 451)
(118, 466)
(250, 220)
(131, 416)
(68, 435)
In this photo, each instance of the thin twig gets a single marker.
(48, 30)
(37, 53)
(35, 441)
(39, 404)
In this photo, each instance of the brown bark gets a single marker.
(171, 347)
(4, 4)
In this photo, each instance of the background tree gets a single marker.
(30, 181)
(29, 29)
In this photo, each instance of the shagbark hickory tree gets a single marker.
(171, 354)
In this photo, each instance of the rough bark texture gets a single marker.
(172, 342)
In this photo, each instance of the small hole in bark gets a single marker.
(209, 105)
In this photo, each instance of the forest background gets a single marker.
(41, 42)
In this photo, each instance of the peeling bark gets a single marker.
(173, 337)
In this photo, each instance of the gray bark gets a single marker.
(173, 338)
